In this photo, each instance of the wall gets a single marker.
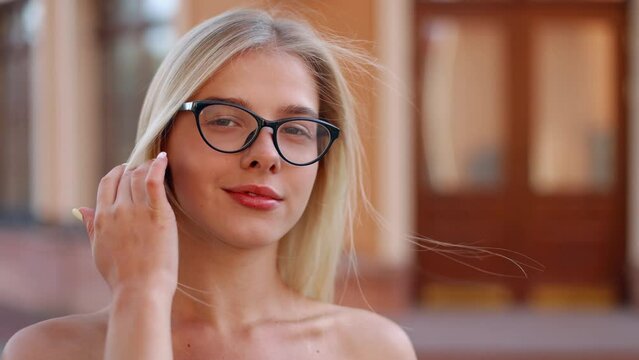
(633, 149)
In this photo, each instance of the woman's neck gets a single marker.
(233, 287)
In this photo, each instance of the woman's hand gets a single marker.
(133, 232)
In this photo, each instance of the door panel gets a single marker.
(462, 96)
(464, 157)
(576, 204)
(574, 110)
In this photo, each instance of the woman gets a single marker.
(260, 208)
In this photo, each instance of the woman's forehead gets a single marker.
(258, 78)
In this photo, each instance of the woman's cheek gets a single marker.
(186, 186)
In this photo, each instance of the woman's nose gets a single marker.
(262, 153)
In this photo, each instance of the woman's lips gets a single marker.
(255, 197)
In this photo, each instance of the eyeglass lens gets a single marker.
(228, 128)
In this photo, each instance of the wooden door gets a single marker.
(521, 146)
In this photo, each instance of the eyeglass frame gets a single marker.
(197, 106)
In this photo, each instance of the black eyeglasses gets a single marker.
(231, 128)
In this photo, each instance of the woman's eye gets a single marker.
(223, 122)
(297, 131)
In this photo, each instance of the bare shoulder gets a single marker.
(368, 335)
(69, 337)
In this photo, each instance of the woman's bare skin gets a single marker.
(327, 332)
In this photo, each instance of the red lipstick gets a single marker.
(257, 197)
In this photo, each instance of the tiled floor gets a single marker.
(524, 335)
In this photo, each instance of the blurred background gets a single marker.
(509, 125)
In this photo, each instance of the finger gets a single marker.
(124, 187)
(88, 216)
(138, 188)
(155, 181)
(108, 186)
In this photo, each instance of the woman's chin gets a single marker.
(249, 239)
(245, 235)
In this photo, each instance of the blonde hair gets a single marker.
(308, 256)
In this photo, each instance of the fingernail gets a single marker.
(161, 155)
(76, 213)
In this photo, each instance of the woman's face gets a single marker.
(216, 189)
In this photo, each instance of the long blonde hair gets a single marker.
(309, 254)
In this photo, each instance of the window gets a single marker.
(135, 37)
(17, 24)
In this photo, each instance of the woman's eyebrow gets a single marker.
(235, 101)
(288, 110)
(299, 110)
